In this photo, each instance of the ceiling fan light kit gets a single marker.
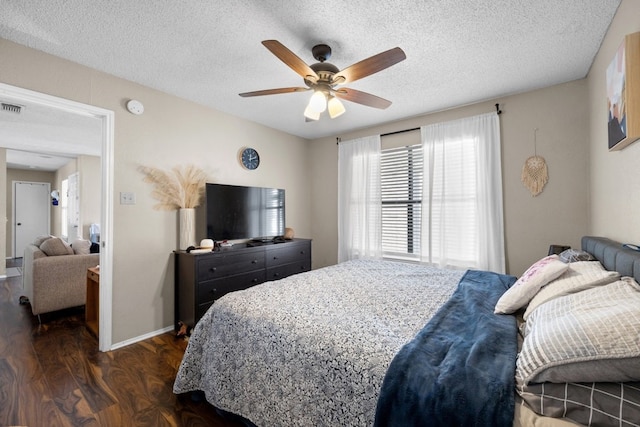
(323, 77)
(318, 101)
(311, 114)
(336, 108)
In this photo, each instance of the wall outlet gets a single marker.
(127, 198)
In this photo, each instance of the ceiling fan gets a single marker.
(323, 78)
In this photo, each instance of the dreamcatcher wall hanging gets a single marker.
(534, 172)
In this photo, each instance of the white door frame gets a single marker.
(106, 216)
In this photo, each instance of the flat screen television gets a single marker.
(236, 212)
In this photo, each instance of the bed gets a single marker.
(384, 343)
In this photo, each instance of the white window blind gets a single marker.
(401, 171)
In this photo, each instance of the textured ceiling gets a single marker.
(458, 51)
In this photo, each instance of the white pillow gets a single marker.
(588, 336)
(536, 276)
(581, 275)
(81, 247)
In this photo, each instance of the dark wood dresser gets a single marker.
(202, 278)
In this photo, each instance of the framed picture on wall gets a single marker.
(623, 94)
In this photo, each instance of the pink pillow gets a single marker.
(527, 286)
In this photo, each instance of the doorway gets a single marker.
(31, 213)
(106, 217)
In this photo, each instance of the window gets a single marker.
(401, 188)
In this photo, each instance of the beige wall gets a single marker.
(90, 171)
(171, 132)
(615, 177)
(559, 215)
(27, 176)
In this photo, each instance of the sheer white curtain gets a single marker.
(359, 199)
(462, 219)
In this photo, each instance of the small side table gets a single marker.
(92, 307)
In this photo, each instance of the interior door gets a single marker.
(31, 213)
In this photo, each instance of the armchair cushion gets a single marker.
(55, 246)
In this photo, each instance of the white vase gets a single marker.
(187, 229)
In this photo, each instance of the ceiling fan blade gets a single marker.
(363, 98)
(291, 59)
(274, 91)
(369, 66)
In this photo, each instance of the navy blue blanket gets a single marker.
(459, 369)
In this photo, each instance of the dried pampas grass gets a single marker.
(180, 188)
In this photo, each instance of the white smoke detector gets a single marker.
(135, 107)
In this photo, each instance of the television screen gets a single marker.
(236, 212)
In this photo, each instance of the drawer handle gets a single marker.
(276, 274)
(213, 291)
(301, 252)
(213, 269)
(275, 257)
(255, 261)
(254, 280)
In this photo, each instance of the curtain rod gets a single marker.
(498, 111)
(399, 131)
(338, 140)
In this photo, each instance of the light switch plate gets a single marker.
(127, 198)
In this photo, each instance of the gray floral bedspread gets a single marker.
(311, 349)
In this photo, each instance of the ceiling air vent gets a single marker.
(13, 108)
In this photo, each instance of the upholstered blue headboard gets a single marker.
(613, 255)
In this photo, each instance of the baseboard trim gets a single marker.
(141, 338)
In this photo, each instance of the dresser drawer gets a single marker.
(214, 289)
(275, 273)
(202, 278)
(288, 253)
(220, 266)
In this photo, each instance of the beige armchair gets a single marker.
(55, 282)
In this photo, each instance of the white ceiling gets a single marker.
(44, 138)
(458, 51)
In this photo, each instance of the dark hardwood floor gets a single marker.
(52, 374)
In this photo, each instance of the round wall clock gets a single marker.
(250, 158)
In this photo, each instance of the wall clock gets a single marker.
(249, 158)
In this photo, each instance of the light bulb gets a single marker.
(318, 101)
(335, 107)
(310, 114)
